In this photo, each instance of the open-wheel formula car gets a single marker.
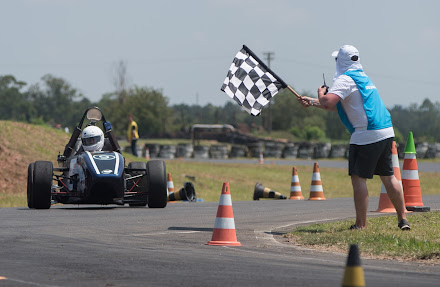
(96, 177)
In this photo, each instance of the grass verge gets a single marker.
(382, 239)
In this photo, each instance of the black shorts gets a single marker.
(368, 160)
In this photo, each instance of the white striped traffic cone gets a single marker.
(385, 204)
(410, 179)
(147, 153)
(316, 190)
(261, 160)
(170, 184)
(295, 187)
(224, 227)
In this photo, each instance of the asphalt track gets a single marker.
(122, 246)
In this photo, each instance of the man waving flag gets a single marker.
(251, 83)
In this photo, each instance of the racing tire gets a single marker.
(30, 184)
(142, 183)
(157, 184)
(42, 186)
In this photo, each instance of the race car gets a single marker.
(96, 177)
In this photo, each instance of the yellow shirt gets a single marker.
(132, 131)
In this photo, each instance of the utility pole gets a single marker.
(269, 57)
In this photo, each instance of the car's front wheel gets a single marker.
(42, 185)
(157, 184)
(30, 185)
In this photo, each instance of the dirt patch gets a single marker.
(21, 144)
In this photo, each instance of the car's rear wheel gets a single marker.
(157, 184)
(30, 184)
(141, 185)
(42, 185)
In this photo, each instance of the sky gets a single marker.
(185, 48)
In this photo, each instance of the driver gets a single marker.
(92, 139)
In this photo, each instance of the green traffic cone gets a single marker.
(409, 147)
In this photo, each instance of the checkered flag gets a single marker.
(250, 82)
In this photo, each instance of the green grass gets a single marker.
(381, 239)
(243, 177)
(12, 200)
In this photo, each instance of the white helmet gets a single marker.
(92, 138)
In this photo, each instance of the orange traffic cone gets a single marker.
(385, 204)
(316, 190)
(147, 153)
(224, 227)
(261, 160)
(170, 184)
(410, 179)
(295, 187)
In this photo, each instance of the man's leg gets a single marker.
(394, 191)
(360, 194)
(133, 147)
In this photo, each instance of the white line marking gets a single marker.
(25, 282)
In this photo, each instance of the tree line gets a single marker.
(54, 101)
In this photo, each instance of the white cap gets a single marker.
(346, 52)
(347, 58)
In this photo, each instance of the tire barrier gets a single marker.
(238, 151)
(305, 150)
(255, 149)
(167, 151)
(338, 151)
(421, 149)
(153, 149)
(290, 151)
(201, 151)
(433, 150)
(184, 150)
(273, 149)
(322, 150)
(218, 151)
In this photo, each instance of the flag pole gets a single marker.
(267, 68)
(293, 91)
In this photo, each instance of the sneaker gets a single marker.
(353, 227)
(404, 225)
